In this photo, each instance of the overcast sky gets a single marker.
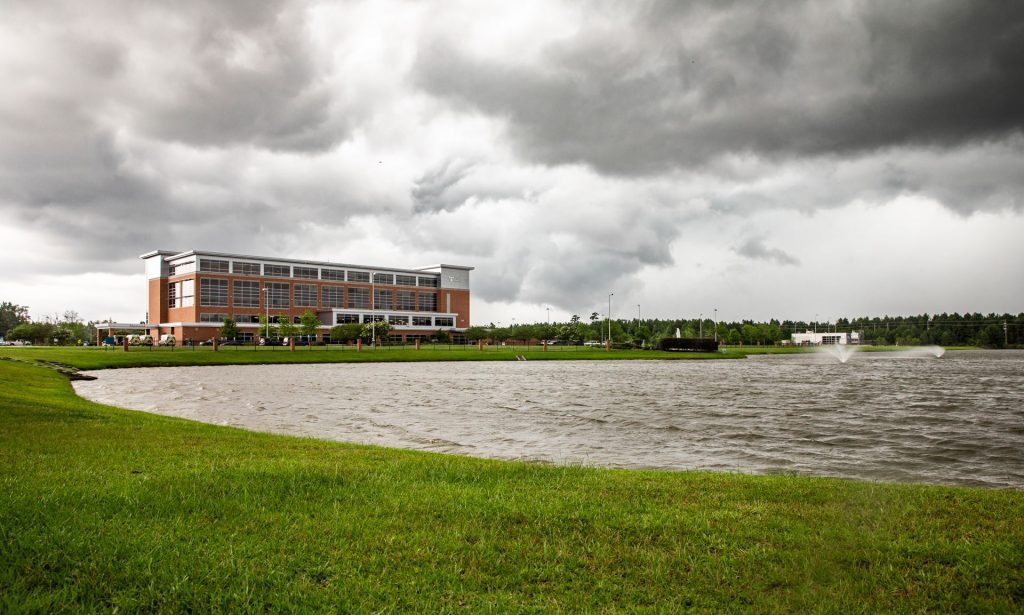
(770, 159)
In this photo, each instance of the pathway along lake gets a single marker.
(958, 419)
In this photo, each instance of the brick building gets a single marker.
(191, 293)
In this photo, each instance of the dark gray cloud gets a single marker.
(755, 249)
(432, 191)
(684, 83)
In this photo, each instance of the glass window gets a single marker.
(338, 275)
(422, 321)
(245, 293)
(188, 291)
(358, 276)
(405, 300)
(181, 268)
(308, 273)
(428, 302)
(277, 271)
(212, 317)
(344, 319)
(277, 294)
(213, 292)
(245, 268)
(398, 320)
(173, 294)
(383, 278)
(428, 282)
(381, 299)
(246, 318)
(332, 296)
(305, 295)
(444, 321)
(405, 280)
(359, 298)
(213, 266)
(373, 317)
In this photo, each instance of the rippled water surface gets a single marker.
(958, 419)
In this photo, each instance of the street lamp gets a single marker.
(373, 312)
(716, 324)
(610, 295)
(549, 315)
(266, 304)
(638, 314)
(700, 325)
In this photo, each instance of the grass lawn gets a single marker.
(100, 358)
(103, 509)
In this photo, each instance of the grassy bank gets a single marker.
(102, 508)
(100, 358)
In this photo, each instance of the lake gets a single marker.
(907, 417)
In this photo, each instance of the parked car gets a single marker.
(231, 343)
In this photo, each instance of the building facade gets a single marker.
(191, 293)
(811, 338)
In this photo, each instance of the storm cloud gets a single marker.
(677, 85)
(565, 150)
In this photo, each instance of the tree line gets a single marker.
(968, 329)
(971, 329)
(58, 329)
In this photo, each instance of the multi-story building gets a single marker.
(191, 293)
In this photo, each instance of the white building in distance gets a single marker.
(810, 338)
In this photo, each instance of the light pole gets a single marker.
(610, 295)
(549, 315)
(700, 325)
(638, 314)
(266, 304)
(373, 313)
(815, 323)
(716, 324)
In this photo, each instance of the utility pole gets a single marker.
(610, 295)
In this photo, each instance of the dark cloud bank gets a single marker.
(888, 97)
(679, 84)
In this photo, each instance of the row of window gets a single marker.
(213, 292)
(416, 321)
(209, 265)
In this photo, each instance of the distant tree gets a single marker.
(285, 328)
(379, 328)
(475, 334)
(229, 330)
(442, 337)
(309, 324)
(267, 328)
(750, 333)
(500, 334)
(36, 332)
(733, 336)
(11, 316)
(348, 332)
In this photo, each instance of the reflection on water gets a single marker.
(958, 419)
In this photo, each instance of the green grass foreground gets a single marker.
(104, 509)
